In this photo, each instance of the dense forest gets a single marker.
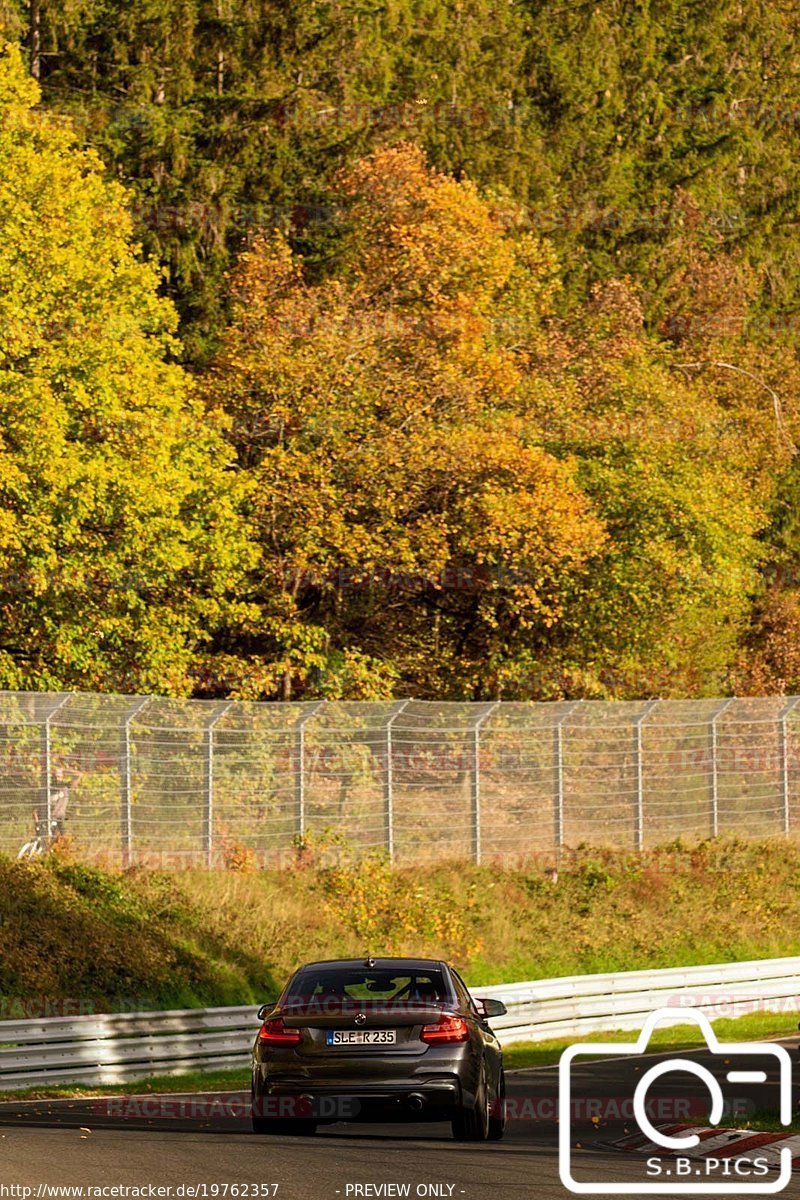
(373, 347)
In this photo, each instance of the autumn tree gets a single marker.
(462, 490)
(408, 519)
(654, 146)
(118, 530)
(598, 118)
(679, 465)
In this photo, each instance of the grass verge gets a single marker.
(76, 938)
(194, 1081)
(767, 1122)
(756, 1027)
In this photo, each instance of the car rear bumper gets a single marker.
(412, 1099)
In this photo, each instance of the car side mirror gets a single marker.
(491, 1008)
(265, 1008)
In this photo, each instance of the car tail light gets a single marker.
(447, 1029)
(275, 1033)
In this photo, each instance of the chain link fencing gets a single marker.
(192, 783)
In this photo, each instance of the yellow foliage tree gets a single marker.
(119, 538)
(411, 524)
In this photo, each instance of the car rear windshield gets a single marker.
(379, 985)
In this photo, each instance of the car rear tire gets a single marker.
(497, 1115)
(285, 1126)
(472, 1124)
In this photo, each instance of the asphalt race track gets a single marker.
(175, 1141)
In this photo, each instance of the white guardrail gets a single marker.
(126, 1046)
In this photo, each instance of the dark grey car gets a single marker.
(387, 1039)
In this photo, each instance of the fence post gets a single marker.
(783, 740)
(637, 750)
(47, 782)
(475, 776)
(558, 760)
(388, 779)
(718, 711)
(299, 767)
(126, 806)
(208, 790)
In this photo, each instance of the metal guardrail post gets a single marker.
(47, 781)
(126, 791)
(715, 768)
(558, 758)
(637, 747)
(299, 768)
(388, 779)
(784, 753)
(475, 776)
(208, 790)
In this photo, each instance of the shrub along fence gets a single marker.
(182, 782)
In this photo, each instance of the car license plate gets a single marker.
(361, 1037)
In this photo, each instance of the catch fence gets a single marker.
(192, 782)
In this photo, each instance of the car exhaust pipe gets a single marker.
(416, 1102)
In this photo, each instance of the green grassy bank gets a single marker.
(105, 939)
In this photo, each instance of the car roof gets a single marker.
(349, 964)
